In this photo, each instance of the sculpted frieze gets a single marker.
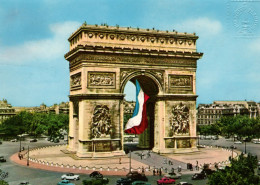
(101, 79)
(126, 59)
(101, 126)
(179, 120)
(181, 82)
(75, 80)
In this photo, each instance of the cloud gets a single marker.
(255, 45)
(44, 49)
(202, 26)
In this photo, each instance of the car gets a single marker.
(198, 176)
(33, 140)
(13, 140)
(140, 183)
(237, 142)
(97, 181)
(96, 174)
(173, 175)
(208, 171)
(70, 176)
(124, 181)
(184, 183)
(24, 183)
(256, 142)
(1, 142)
(135, 176)
(56, 140)
(165, 180)
(2, 159)
(65, 182)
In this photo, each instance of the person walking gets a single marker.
(119, 160)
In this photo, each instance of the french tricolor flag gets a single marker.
(138, 123)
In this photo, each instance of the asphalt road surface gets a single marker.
(19, 173)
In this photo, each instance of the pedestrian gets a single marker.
(160, 172)
(179, 168)
(172, 170)
(165, 170)
(119, 160)
(153, 172)
(142, 170)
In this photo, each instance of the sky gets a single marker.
(33, 41)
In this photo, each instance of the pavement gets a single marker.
(53, 159)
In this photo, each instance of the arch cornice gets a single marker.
(156, 75)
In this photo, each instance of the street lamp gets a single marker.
(20, 143)
(130, 162)
(245, 146)
(28, 157)
(232, 148)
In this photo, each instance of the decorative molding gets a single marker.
(179, 120)
(178, 83)
(101, 126)
(75, 81)
(158, 74)
(101, 79)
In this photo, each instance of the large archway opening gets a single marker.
(146, 139)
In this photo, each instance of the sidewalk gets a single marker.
(53, 159)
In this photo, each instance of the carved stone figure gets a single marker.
(101, 122)
(179, 121)
(75, 80)
(101, 79)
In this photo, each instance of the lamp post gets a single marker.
(130, 162)
(245, 146)
(20, 144)
(28, 157)
(232, 148)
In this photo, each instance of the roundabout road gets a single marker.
(18, 173)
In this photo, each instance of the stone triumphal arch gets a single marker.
(102, 59)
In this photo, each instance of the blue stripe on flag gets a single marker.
(138, 88)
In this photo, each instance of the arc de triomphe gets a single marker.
(102, 59)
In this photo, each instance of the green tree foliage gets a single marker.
(242, 126)
(2, 182)
(241, 172)
(35, 124)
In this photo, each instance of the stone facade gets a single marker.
(102, 59)
(6, 110)
(209, 113)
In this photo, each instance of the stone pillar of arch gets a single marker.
(102, 59)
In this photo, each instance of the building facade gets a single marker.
(209, 113)
(6, 110)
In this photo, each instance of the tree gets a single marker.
(241, 172)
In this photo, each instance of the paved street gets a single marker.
(18, 173)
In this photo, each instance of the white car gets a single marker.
(237, 142)
(70, 176)
(257, 142)
(13, 140)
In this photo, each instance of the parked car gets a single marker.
(135, 176)
(173, 175)
(198, 176)
(165, 180)
(207, 171)
(70, 176)
(140, 183)
(96, 174)
(25, 183)
(56, 140)
(124, 181)
(33, 140)
(184, 183)
(13, 140)
(2, 159)
(65, 182)
(237, 142)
